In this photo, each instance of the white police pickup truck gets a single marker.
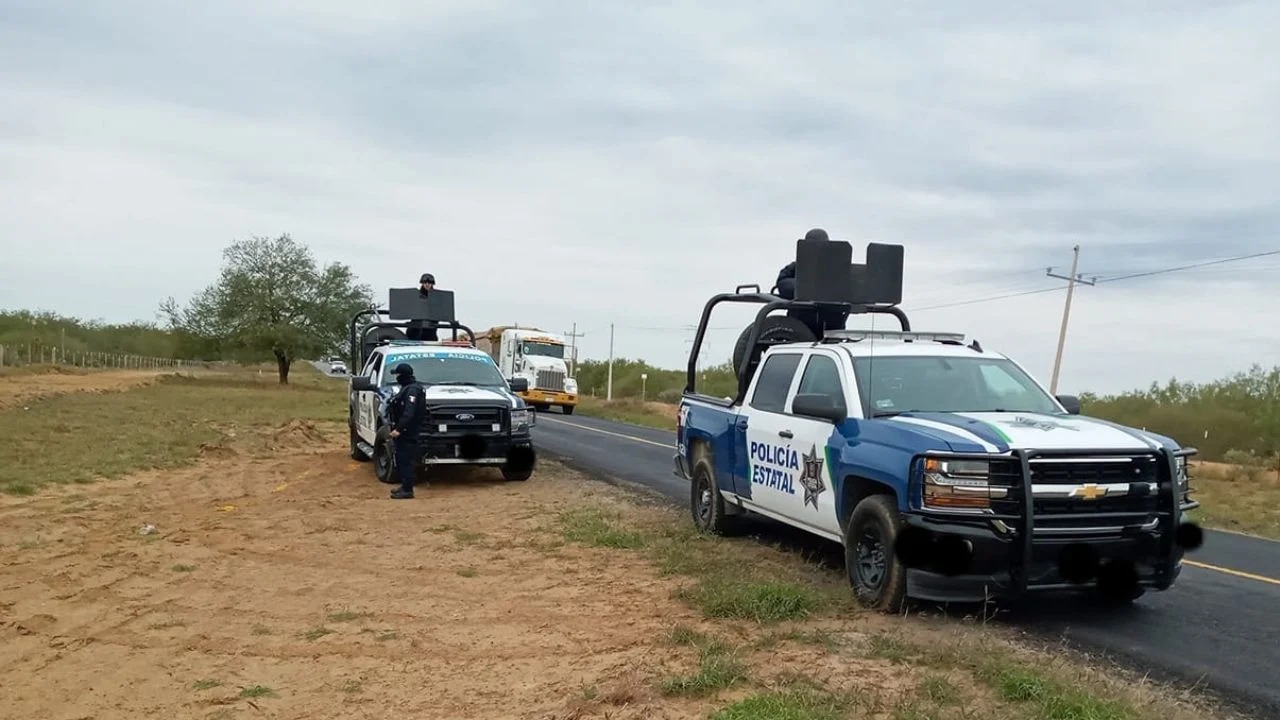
(473, 416)
(873, 438)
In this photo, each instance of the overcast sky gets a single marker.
(566, 162)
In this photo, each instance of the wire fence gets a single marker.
(36, 354)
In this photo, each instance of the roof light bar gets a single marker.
(904, 336)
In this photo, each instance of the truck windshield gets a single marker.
(543, 349)
(448, 370)
(896, 384)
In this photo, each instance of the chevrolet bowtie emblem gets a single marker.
(1089, 492)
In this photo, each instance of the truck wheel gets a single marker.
(706, 504)
(356, 452)
(774, 329)
(511, 475)
(879, 581)
(383, 458)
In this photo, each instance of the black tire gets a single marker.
(384, 466)
(566, 409)
(511, 475)
(878, 579)
(706, 504)
(356, 453)
(774, 329)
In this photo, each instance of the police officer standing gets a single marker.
(423, 329)
(407, 413)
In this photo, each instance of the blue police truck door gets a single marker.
(772, 461)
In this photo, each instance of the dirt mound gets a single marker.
(19, 389)
(54, 370)
(295, 434)
(217, 450)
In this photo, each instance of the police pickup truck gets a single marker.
(474, 416)
(868, 437)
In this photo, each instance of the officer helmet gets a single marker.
(427, 278)
(403, 370)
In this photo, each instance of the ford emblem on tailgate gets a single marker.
(465, 416)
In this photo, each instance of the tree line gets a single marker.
(35, 330)
(271, 302)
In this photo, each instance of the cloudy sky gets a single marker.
(564, 162)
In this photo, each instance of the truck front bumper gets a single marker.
(539, 396)
(998, 567)
(492, 449)
(1017, 545)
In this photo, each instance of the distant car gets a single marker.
(338, 367)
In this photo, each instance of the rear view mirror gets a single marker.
(820, 406)
(362, 384)
(519, 384)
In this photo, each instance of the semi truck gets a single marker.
(537, 356)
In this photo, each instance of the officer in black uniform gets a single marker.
(407, 412)
(423, 329)
(831, 318)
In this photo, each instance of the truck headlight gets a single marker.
(571, 386)
(1182, 475)
(520, 419)
(959, 484)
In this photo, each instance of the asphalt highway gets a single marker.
(1217, 628)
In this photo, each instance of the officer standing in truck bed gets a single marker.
(423, 329)
(828, 318)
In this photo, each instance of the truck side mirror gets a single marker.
(820, 406)
(519, 384)
(362, 383)
(1070, 402)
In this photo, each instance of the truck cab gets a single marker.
(946, 471)
(540, 358)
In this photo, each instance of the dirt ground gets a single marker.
(19, 389)
(292, 587)
(276, 579)
(1219, 469)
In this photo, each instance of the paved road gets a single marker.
(1219, 626)
(327, 369)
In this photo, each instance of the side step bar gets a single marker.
(365, 447)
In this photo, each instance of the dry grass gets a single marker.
(647, 414)
(164, 421)
(1239, 498)
(778, 637)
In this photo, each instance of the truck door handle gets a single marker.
(785, 433)
(742, 424)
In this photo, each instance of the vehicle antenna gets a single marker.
(871, 371)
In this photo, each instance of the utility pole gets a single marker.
(573, 347)
(1066, 311)
(609, 386)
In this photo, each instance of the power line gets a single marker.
(1190, 267)
(989, 299)
(1060, 288)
